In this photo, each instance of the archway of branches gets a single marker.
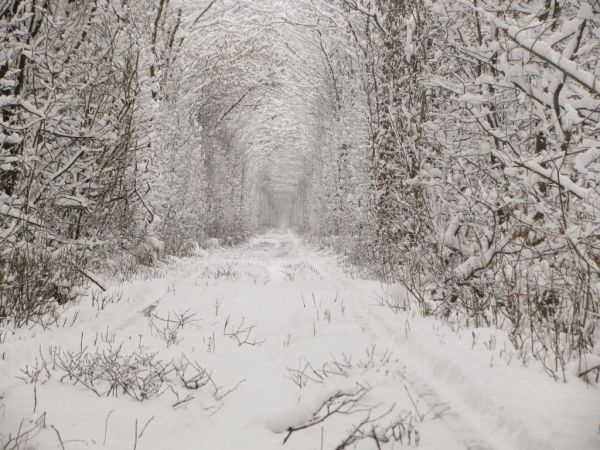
(272, 94)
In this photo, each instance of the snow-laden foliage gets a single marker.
(484, 170)
(514, 191)
(114, 149)
(68, 80)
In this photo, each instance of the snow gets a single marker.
(586, 364)
(564, 181)
(551, 56)
(585, 159)
(308, 333)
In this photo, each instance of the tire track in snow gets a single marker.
(470, 415)
(465, 434)
(454, 422)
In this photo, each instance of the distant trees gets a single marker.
(337, 195)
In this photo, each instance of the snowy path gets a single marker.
(279, 329)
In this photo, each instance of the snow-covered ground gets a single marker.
(241, 348)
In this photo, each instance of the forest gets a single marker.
(449, 148)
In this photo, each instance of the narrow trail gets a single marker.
(279, 329)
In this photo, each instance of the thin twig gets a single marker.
(106, 425)
(59, 438)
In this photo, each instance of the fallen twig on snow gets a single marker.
(241, 334)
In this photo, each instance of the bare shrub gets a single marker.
(20, 439)
(300, 271)
(342, 366)
(227, 271)
(100, 300)
(241, 333)
(37, 280)
(140, 374)
(168, 328)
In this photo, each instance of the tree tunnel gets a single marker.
(450, 145)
